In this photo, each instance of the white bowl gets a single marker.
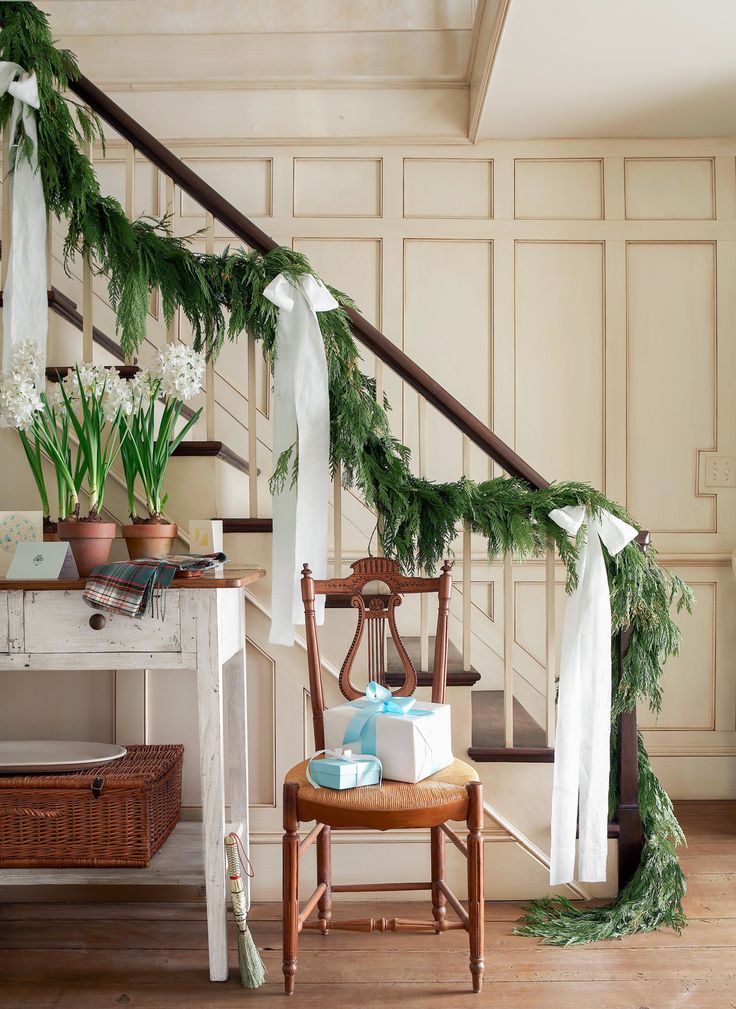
(39, 755)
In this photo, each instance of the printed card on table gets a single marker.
(205, 536)
(17, 527)
(41, 561)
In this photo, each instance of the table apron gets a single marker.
(98, 660)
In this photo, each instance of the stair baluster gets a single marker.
(467, 569)
(252, 431)
(550, 647)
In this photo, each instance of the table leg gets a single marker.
(210, 712)
(236, 720)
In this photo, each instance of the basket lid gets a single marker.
(141, 765)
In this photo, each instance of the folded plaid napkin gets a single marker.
(135, 588)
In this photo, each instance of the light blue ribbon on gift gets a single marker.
(378, 700)
(349, 757)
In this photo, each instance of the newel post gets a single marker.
(627, 814)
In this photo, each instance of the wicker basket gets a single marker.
(116, 814)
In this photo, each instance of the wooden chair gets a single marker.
(450, 795)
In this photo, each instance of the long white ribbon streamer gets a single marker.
(25, 299)
(301, 415)
(582, 741)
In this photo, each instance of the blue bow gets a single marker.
(378, 700)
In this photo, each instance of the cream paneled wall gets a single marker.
(579, 298)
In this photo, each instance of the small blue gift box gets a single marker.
(343, 770)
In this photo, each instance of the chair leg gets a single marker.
(475, 883)
(290, 884)
(437, 841)
(324, 874)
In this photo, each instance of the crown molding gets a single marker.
(119, 86)
(490, 23)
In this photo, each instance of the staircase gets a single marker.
(504, 619)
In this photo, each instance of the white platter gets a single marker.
(36, 756)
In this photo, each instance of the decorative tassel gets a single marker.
(252, 971)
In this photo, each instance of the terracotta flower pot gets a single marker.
(50, 531)
(90, 542)
(149, 539)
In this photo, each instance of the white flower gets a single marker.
(19, 401)
(140, 387)
(116, 397)
(55, 397)
(102, 384)
(180, 370)
(27, 362)
(20, 397)
(91, 378)
(88, 377)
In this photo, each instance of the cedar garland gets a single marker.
(420, 518)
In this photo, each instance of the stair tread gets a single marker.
(57, 372)
(260, 525)
(462, 678)
(413, 648)
(488, 723)
(512, 754)
(212, 449)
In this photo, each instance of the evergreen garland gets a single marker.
(420, 518)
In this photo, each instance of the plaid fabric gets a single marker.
(135, 588)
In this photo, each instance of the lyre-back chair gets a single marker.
(449, 795)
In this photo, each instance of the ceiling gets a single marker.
(612, 68)
(453, 69)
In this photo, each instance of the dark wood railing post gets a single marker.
(627, 813)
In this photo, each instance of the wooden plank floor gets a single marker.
(153, 956)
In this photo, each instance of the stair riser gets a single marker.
(202, 488)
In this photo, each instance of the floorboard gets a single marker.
(153, 955)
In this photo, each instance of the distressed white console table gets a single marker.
(47, 625)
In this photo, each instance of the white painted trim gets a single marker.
(483, 59)
(530, 847)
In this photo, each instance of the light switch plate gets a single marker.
(720, 471)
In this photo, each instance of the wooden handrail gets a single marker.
(244, 229)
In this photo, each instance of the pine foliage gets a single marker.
(222, 296)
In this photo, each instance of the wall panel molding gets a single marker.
(664, 189)
(338, 187)
(248, 183)
(560, 399)
(448, 188)
(696, 688)
(448, 330)
(558, 189)
(672, 387)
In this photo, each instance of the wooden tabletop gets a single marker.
(229, 578)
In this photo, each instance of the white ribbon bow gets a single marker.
(301, 415)
(25, 298)
(582, 755)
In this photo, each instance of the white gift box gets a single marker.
(409, 746)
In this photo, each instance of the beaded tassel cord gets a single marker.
(252, 971)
